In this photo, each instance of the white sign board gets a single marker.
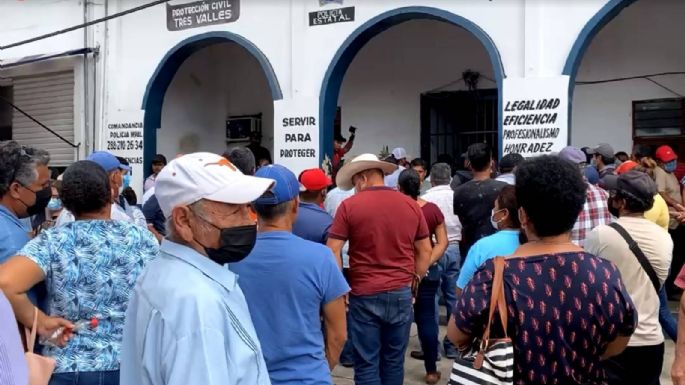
(296, 134)
(535, 115)
(123, 136)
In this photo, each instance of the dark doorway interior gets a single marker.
(453, 120)
(6, 113)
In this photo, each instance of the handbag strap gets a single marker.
(644, 262)
(31, 335)
(497, 299)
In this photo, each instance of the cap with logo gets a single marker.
(665, 154)
(107, 161)
(603, 149)
(314, 179)
(286, 188)
(573, 154)
(399, 153)
(203, 175)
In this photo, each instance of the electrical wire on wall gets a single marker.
(645, 77)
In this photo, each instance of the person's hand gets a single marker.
(353, 130)
(48, 325)
(678, 371)
(680, 208)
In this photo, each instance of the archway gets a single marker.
(627, 76)
(220, 43)
(357, 41)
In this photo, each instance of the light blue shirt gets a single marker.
(188, 323)
(501, 243)
(13, 234)
(287, 282)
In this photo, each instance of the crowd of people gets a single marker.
(233, 270)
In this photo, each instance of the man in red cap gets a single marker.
(313, 221)
(669, 188)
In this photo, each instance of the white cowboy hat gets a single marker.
(361, 163)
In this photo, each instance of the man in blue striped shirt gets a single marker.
(187, 322)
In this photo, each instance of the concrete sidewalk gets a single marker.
(414, 371)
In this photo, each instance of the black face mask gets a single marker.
(42, 199)
(614, 211)
(235, 243)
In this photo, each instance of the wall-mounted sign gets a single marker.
(296, 134)
(535, 115)
(201, 13)
(123, 136)
(326, 2)
(331, 16)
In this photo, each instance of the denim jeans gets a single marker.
(426, 323)
(379, 331)
(86, 378)
(666, 319)
(449, 271)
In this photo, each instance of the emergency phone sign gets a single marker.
(296, 134)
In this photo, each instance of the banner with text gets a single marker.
(123, 136)
(535, 115)
(201, 13)
(296, 134)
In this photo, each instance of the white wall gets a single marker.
(216, 82)
(382, 88)
(645, 38)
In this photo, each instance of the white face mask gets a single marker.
(493, 222)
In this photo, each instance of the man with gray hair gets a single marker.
(187, 321)
(24, 191)
(442, 195)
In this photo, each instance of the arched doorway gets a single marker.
(627, 76)
(381, 50)
(192, 93)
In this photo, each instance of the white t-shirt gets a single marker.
(443, 197)
(657, 246)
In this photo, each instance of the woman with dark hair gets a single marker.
(567, 310)
(409, 184)
(90, 267)
(506, 240)
(158, 163)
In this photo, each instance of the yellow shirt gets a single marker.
(659, 212)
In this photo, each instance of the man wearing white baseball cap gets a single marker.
(187, 321)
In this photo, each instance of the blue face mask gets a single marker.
(127, 180)
(54, 204)
(671, 166)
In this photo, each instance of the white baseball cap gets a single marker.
(203, 175)
(399, 153)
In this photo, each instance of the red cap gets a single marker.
(314, 179)
(665, 154)
(625, 167)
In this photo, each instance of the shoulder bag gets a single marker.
(40, 368)
(644, 262)
(492, 361)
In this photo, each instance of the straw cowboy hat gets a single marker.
(361, 163)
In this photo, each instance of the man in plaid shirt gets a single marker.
(596, 209)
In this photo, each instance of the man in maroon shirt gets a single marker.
(388, 247)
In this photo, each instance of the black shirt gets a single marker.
(473, 203)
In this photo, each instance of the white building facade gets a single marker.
(528, 76)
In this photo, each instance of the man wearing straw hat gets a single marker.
(388, 248)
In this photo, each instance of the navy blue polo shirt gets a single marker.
(312, 223)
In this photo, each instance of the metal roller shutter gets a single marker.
(49, 98)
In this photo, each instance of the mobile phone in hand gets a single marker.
(353, 129)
